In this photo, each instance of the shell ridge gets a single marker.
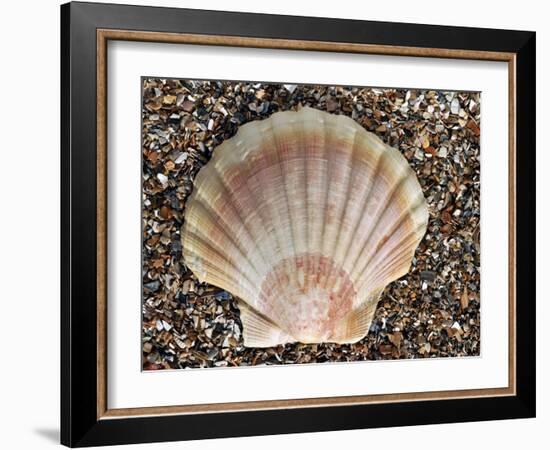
(370, 139)
(387, 274)
(222, 279)
(216, 250)
(335, 250)
(366, 205)
(360, 319)
(215, 221)
(260, 202)
(259, 330)
(327, 157)
(312, 181)
(281, 242)
(351, 179)
(389, 270)
(201, 176)
(198, 198)
(373, 228)
(242, 219)
(396, 225)
(306, 206)
(257, 302)
(349, 162)
(295, 188)
(417, 227)
(254, 196)
(279, 228)
(412, 239)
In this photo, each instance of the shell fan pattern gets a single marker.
(305, 217)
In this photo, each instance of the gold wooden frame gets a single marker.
(103, 36)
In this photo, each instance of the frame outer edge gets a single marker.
(65, 125)
(79, 228)
(526, 225)
(79, 423)
(306, 28)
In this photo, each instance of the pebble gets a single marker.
(182, 157)
(162, 178)
(455, 106)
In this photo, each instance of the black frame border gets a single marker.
(79, 423)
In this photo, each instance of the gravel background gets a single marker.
(433, 311)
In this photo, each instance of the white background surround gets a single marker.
(30, 225)
(129, 387)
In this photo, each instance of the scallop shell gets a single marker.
(305, 217)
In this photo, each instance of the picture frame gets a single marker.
(86, 30)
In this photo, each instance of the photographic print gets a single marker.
(295, 223)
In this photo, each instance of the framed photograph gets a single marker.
(278, 224)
